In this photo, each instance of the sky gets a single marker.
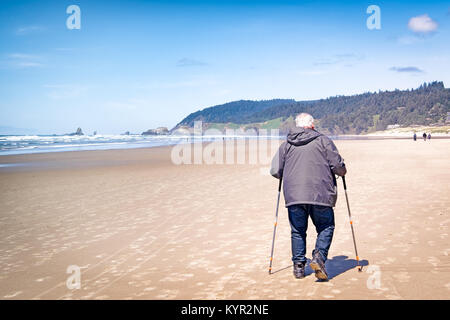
(135, 65)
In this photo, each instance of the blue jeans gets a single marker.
(323, 219)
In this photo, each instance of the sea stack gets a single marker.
(157, 131)
(79, 132)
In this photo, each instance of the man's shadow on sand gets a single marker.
(334, 266)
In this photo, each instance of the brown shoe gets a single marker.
(318, 266)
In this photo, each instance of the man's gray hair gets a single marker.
(304, 120)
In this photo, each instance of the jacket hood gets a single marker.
(301, 136)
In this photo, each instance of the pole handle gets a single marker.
(343, 180)
(279, 184)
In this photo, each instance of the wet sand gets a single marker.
(140, 227)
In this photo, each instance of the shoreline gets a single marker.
(132, 146)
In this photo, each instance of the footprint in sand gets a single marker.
(312, 292)
(402, 276)
(149, 289)
(388, 260)
(433, 261)
(375, 250)
(12, 295)
(88, 296)
(102, 281)
(336, 291)
(372, 235)
(42, 279)
(168, 294)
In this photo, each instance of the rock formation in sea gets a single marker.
(79, 132)
(157, 131)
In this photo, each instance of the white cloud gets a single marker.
(22, 56)
(342, 58)
(22, 31)
(422, 24)
(187, 62)
(28, 64)
(411, 69)
(23, 60)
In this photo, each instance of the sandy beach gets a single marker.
(140, 227)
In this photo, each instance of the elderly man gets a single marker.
(308, 162)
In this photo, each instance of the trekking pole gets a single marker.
(351, 225)
(275, 226)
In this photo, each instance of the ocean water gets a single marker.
(14, 144)
(10, 144)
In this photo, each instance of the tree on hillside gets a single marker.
(428, 104)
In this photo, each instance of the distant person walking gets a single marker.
(429, 136)
(415, 136)
(308, 162)
(424, 136)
